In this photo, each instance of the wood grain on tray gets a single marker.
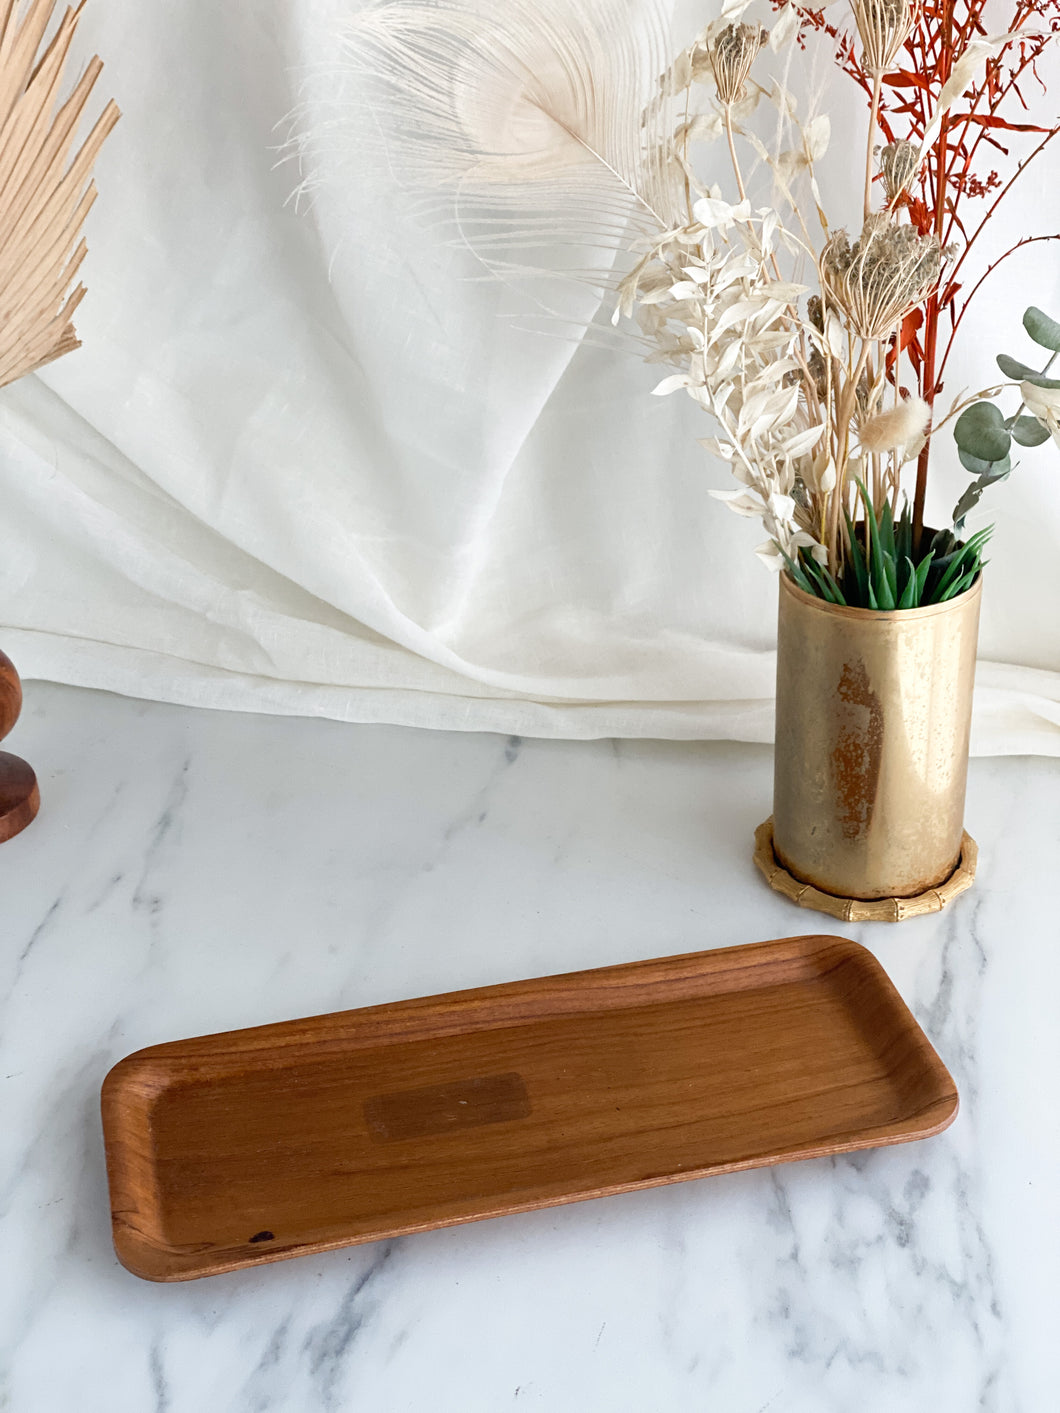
(285, 1139)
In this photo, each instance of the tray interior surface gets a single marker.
(347, 1128)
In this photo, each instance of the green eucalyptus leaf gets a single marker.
(1000, 471)
(967, 502)
(980, 430)
(995, 470)
(1028, 431)
(1042, 329)
(1014, 369)
(1021, 373)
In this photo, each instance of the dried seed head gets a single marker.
(899, 162)
(815, 312)
(886, 272)
(884, 26)
(732, 51)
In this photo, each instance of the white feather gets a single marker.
(538, 124)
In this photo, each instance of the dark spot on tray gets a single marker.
(263, 1236)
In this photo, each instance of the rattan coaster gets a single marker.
(863, 909)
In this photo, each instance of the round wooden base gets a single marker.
(19, 796)
(863, 909)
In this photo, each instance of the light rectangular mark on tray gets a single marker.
(446, 1108)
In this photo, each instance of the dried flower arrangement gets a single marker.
(820, 357)
(820, 453)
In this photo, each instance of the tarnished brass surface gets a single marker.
(873, 716)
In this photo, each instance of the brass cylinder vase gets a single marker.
(873, 718)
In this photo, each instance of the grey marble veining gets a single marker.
(198, 871)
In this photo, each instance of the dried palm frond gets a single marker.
(45, 193)
(537, 125)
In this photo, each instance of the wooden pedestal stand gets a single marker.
(19, 797)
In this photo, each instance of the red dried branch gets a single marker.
(1027, 240)
(973, 126)
(1020, 169)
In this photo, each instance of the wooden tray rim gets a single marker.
(141, 1076)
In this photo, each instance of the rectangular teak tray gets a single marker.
(285, 1139)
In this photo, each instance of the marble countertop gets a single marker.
(198, 871)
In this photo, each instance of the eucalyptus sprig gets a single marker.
(983, 434)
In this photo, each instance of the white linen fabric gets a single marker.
(301, 465)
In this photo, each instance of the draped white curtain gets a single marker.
(301, 465)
